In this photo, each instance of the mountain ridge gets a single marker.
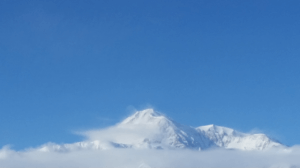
(148, 129)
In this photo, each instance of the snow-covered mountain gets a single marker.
(165, 133)
(232, 139)
(148, 129)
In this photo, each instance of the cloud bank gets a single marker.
(150, 158)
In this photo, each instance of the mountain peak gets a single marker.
(161, 132)
(143, 117)
(218, 129)
(145, 112)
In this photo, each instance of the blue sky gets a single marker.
(74, 65)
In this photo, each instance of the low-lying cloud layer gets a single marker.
(151, 158)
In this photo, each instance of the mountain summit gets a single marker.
(147, 116)
(148, 129)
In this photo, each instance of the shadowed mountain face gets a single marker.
(148, 129)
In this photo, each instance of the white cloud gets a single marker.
(153, 158)
(125, 134)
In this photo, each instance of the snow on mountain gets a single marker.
(232, 139)
(148, 129)
(166, 133)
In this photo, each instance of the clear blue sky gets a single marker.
(72, 65)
